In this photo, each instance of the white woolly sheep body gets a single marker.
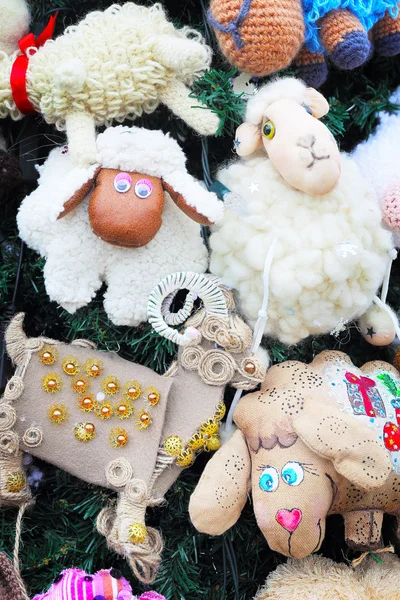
(77, 261)
(113, 74)
(331, 251)
(378, 157)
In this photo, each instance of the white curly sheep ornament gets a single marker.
(312, 205)
(123, 221)
(114, 65)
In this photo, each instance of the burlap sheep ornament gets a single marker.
(317, 439)
(319, 578)
(113, 65)
(123, 221)
(263, 36)
(118, 424)
(308, 206)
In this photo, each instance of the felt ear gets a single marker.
(221, 493)
(316, 101)
(79, 195)
(248, 139)
(181, 203)
(351, 445)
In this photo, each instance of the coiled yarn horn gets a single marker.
(159, 302)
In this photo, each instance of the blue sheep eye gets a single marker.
(308, 109)
(143, 188)
(123, 182)
(269, 479)
(293, 473)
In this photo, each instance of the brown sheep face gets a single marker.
(293, 490)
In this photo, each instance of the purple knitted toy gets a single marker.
(74, 584)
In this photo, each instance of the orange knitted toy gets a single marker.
(264, 36)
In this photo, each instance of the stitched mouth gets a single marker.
(318, 543)
(314, 157)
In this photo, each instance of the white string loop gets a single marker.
(160, 301)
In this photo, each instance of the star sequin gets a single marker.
(253, 187)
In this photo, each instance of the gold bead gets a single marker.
(94, 369)
(70, 368)
(122, 408)
(145, 418)
(80, 384)
(51, 384)
(105, 410)
(111, 386)
(87, 402)
(47, 356)
(132, 391)
(213, 444)
(56, 413)
(250, 367)
(84, 432)
(118, 437)
(90, 428)
(121, 439)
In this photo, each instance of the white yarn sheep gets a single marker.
(378, 159)
(331, 251)
(113, 65)
(77, 261)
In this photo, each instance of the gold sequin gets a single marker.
(110, 385)
(71, 365)
(124, 409)
(58, 414)
(196, 442)
(16, 482)
(85, 432)
(48, 355)
(137, 533)
(143, 419)
(93, 367)
(209, 427)
(52, 382)
(104, 410)
(173, 445)
(80, 384)
(220, 411)
(118, 437)
(185, 458)
(132, 390)
(153, 396)
(86, 402)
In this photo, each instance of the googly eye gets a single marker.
(143, 188)
(269, 479)
(123, 182)
(268, 130)
(293, 473)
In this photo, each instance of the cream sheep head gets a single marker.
(284, 118)
(317, 439)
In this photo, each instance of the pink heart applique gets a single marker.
(289, 519)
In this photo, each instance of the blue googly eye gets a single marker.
(143, 188)
(293, 473)
(123, 182)
(269, 479)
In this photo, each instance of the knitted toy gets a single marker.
(378, 160)
(118, 424)
(11, 584)
(317, 439)
(263, 36)
(319, 578)
(14, 24)
(123, 221)
(113, 65)
(75, 584)
(312, 212)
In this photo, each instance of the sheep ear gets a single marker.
(316, 101)
(79, 195)
(181, 203)
(351, 445)
(221, 493)
(248, 139)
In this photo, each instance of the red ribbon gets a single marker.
(20, 66)
(364, 385)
